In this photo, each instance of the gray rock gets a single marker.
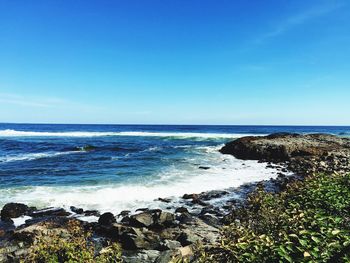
(144, 219)
(166, 219)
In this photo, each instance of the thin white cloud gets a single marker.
(27, 101)
(299, 19)
(55, 103)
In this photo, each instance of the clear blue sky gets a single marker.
(176, 62)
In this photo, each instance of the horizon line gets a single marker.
(140, 124)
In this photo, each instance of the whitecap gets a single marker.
(179, 135)
(32, 156)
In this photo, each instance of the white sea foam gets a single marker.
(32, 156)
(15, 133)
(174, 181)
(20, 220)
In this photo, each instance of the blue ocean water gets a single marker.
(122, 166)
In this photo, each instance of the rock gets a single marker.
(210, 219)
(213, 194)
(49, 212)
(141, 256)
(302, 154)
(184, 218)
(144, 219)
(106, 219)
(198, 201)
(181, 210)
(6, 226)
(91, 213)
(76, 210)
(85, 148)
(166, 219)
(115, 231)
(204, 167)
(169, 245)
(144, 209)
(164, 200)
(124, 213)
(187, 238)
(211, 210)
(167, 256)
(139, 240)
(190, 196)
(186, 251)
(281, 146)
(13, 210)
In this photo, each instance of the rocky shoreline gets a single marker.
(154, 235)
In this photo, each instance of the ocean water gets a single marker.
(117, 167)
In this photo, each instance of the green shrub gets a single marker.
(73, 244)
(308, 222)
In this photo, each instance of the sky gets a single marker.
(175, 62)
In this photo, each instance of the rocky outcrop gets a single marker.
(303, 154)
(152, 235)
(13, 210)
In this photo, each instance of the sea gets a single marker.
(125, 167)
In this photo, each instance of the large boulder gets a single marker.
(152, 219)
(13, 210)
(106, 219)
(284, 146)
(144, 219)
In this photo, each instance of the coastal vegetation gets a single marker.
(72, 244)
(307, 222)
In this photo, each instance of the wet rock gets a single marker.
(92, 213)
(125, 220)
(124, 213)
(211, 210)
(190, 196)
(13, 210)
(106, 219)
(164, 200)
(76, 210)
(213, 194)
(198, 201)
(49, 212)
(144, 209)
(181, 210)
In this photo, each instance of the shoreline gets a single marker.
(182, 229)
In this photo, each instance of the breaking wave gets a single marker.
(15, 133)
